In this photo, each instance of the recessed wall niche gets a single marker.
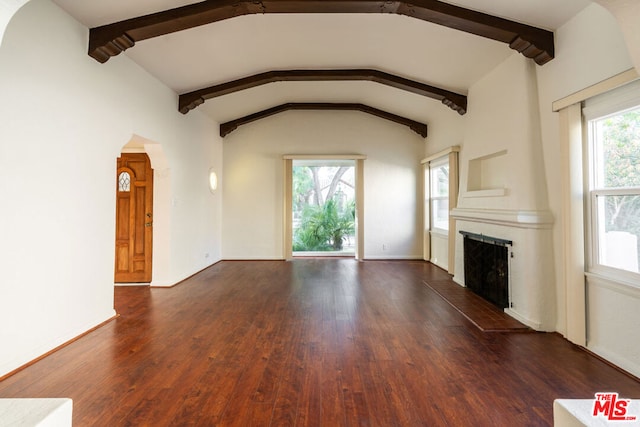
(487, 175)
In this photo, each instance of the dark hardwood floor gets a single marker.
(315, 342)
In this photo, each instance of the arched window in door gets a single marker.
(124, 182)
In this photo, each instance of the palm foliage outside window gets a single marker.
(323, 207)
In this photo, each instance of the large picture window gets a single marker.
(335, 184)
(323, 205)
(614, 192)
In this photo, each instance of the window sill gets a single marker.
(439, 232)
(615, 283)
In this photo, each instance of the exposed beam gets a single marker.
(109, 40)
(455, 101)
(228, 127)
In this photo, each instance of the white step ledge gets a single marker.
(36, 412)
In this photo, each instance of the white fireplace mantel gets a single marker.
(511, 218)
(530, 258)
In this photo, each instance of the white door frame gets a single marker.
(288, 198)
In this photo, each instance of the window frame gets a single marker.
(594, 245)
(610, 104)
(435, 164)
(287, 167)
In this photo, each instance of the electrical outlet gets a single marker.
(384, 246)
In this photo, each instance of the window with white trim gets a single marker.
(613, 125)
(439, 194)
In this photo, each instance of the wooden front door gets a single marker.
(134, 218)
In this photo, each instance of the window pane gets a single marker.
(440, 181)
(124, 182)
(618, 223)
(617, 150)
(323, 206)
(440, 213)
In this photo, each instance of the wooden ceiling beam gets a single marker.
(109, 40)
(230, 126)
(455, 101)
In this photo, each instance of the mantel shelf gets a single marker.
(507, 217)
(494, 192)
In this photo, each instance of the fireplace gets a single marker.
(486, 267)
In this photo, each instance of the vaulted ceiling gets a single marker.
(249, 57)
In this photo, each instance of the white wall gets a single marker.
(627, 13)
(510, 202)
(504, 119)
(439, 249)
(446, 129)
(7, 9)
(613, 315)
(253, 180)
(589, 48)
(63, 121)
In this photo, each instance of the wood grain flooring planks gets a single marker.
(310, 342)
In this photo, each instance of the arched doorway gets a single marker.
(161, 205)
